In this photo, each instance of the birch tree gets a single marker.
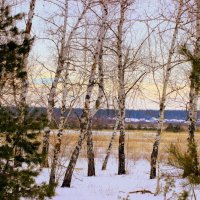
(88, 113)
(63, 106)
(127, 60)
(122, 64)
(162, 104)
(194, 92)
(108, 151)
(194, 77)
(98, 102)
(24, 80)
(121, 90)
(64, 51)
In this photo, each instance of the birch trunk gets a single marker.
(51, 99)
(110, 144)
(192, 115)
(24, 81)
(90, 151)
(91, 163)
(193, 99)
(50, 108)
(57, 148)
(155, 150)
(192, 119)
(87, 113)
(121, 92)
(83, 128)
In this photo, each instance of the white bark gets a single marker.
(87, 113)
(64, 52)
(164, 93)
(90, 152)
(24, 81)
(110, 144)
(194, 89)
(57, 147)
(193, 98)
(121, 90)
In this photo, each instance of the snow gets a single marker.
(107, 185)
(154, 120)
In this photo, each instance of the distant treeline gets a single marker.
(137, 114)
(111, 113)
(105, 118)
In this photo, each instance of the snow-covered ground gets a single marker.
(107, 185)
(155, 120)
(102, 132)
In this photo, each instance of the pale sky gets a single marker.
(44, 50)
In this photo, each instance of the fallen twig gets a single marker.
(141, 191)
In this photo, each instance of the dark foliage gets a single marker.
(176, 128)
(185, 160)
(16, 182)
(13, 46)
(19, 155)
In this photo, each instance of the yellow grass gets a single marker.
(138, 144)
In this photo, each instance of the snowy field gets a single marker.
(107, 185)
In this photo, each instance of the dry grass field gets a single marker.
(138, 144)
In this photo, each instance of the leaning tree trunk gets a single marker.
(121, 92)
(57, 148)
(91, 163)
(75, 153)
(154, 153)
(61, 61)
(155, 150)
(87, 114)
(85, 125)
(50, 108)
(90, 150)
(110, 144)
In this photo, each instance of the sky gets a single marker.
(43, 52)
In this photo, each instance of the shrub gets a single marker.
(174, 128)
